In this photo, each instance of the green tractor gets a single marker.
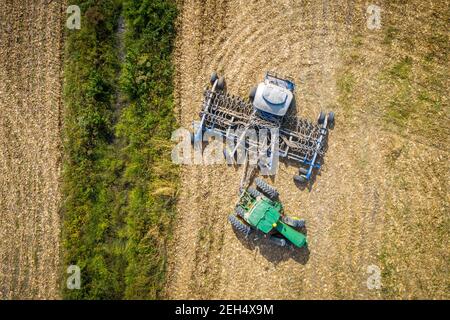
(260, 210)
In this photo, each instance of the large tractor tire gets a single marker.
(240, 211)
(254, 193)
(239, 225)
(266, 188)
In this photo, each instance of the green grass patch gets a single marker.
(402, 69)
(416, 98)
(119, 182)
(401, 104)
(390, 34)
(146, 126)
(413, 257)
(345, 85)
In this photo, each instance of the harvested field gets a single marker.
(382, 196)
(381, 199)
(31, 36)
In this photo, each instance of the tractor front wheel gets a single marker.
(293, 222)
(266, 188)
(239, 225)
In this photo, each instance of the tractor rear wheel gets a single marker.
(252, 94)
(266, 188)
(254, 193)
(240, 211)
(239, 225)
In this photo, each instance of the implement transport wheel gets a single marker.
(239, 225)
(300, 179)
(303, 170)
(254, 193)
(252, 93)
(240, 211)
(220, 84)
(213, 78)
(266, 188)
(321, 118)
(330, 120)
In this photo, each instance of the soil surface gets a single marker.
(31, 48)
(348, 206)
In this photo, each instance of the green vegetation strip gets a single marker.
(119, 182)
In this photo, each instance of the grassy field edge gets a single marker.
(119, 185)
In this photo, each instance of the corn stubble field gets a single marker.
(381, 198)
(31, 35)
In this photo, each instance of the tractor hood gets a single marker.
(272, 99)
(264, 216)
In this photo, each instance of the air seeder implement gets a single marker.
(298, 140)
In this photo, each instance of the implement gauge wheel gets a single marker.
(252, 94)
(321, 118)
(300, 179)
(220, 84)
(330, 120)
(213, 78)
(303, 170)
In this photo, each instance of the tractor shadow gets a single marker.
(260, 244)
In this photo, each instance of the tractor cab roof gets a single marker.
(264, 216)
